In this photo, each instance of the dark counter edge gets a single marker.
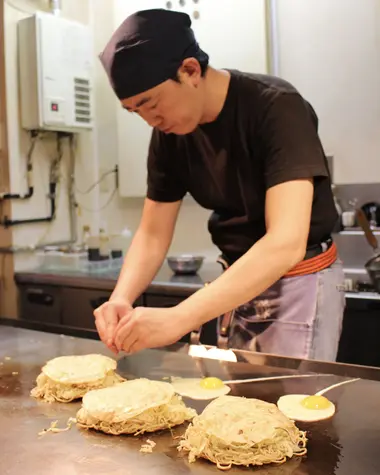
(49, 328)
(159, 286)
(261, 359)
(96, 282)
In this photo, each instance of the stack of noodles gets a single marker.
(237, 431)
(133, 407)
(67, 378)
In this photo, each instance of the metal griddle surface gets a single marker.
(348, 444)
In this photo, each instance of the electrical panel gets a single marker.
(55, 73)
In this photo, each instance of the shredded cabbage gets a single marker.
(51, 391)
(238, 431)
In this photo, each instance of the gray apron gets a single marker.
(298, 317)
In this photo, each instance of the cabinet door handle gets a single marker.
(39, 297)
(95, 303)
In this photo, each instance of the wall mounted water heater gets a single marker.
(55, 71)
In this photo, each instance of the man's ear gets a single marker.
(190, 72)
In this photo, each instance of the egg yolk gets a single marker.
(315, 402)
(211, 383)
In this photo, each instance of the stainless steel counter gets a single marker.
(164, 283)
(345, 445)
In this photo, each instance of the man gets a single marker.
(246, 147)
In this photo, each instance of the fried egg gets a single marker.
(306, 408)
(201, 389)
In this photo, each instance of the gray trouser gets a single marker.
(299, 317)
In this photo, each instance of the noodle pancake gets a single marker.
(238, 431)
(133, 407)
(67, 378)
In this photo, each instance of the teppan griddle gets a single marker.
(347, 444)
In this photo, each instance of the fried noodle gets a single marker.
(238, 431)
(156, 418)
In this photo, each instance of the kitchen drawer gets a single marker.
(162, 301)
(78, 306)
(40, 303)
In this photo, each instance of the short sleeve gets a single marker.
(164, 179)
(291, 147)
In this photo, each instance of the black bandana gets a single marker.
(147, 49)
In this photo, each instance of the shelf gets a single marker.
(358, 232)
(354, 270)
(362, 295)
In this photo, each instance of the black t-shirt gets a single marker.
(266, 134)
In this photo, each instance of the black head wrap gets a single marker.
(147, 49)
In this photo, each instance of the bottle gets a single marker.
(104, 244)
(86, 233)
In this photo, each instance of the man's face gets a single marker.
(172, 107)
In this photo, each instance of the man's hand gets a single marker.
(107, 317)
(147, 327)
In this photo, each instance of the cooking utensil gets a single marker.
(372, 212)
(373, 265)
(195, 335)
(185, 264)
(225, 321)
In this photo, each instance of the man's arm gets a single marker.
(144, 258)
(288, 213)
(294, 158)
(148, 249)
(152, 239)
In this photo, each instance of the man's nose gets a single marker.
(152, 120)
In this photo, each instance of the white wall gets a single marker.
(330, 50)
(86, 166)
(339, 74)
(127, 211)
(96, 152)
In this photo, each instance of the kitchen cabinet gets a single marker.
(245, 49)
(69, 302)
(62, 305)
(40, 303)
(162, 301)
(78, 306)
(359, 342)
